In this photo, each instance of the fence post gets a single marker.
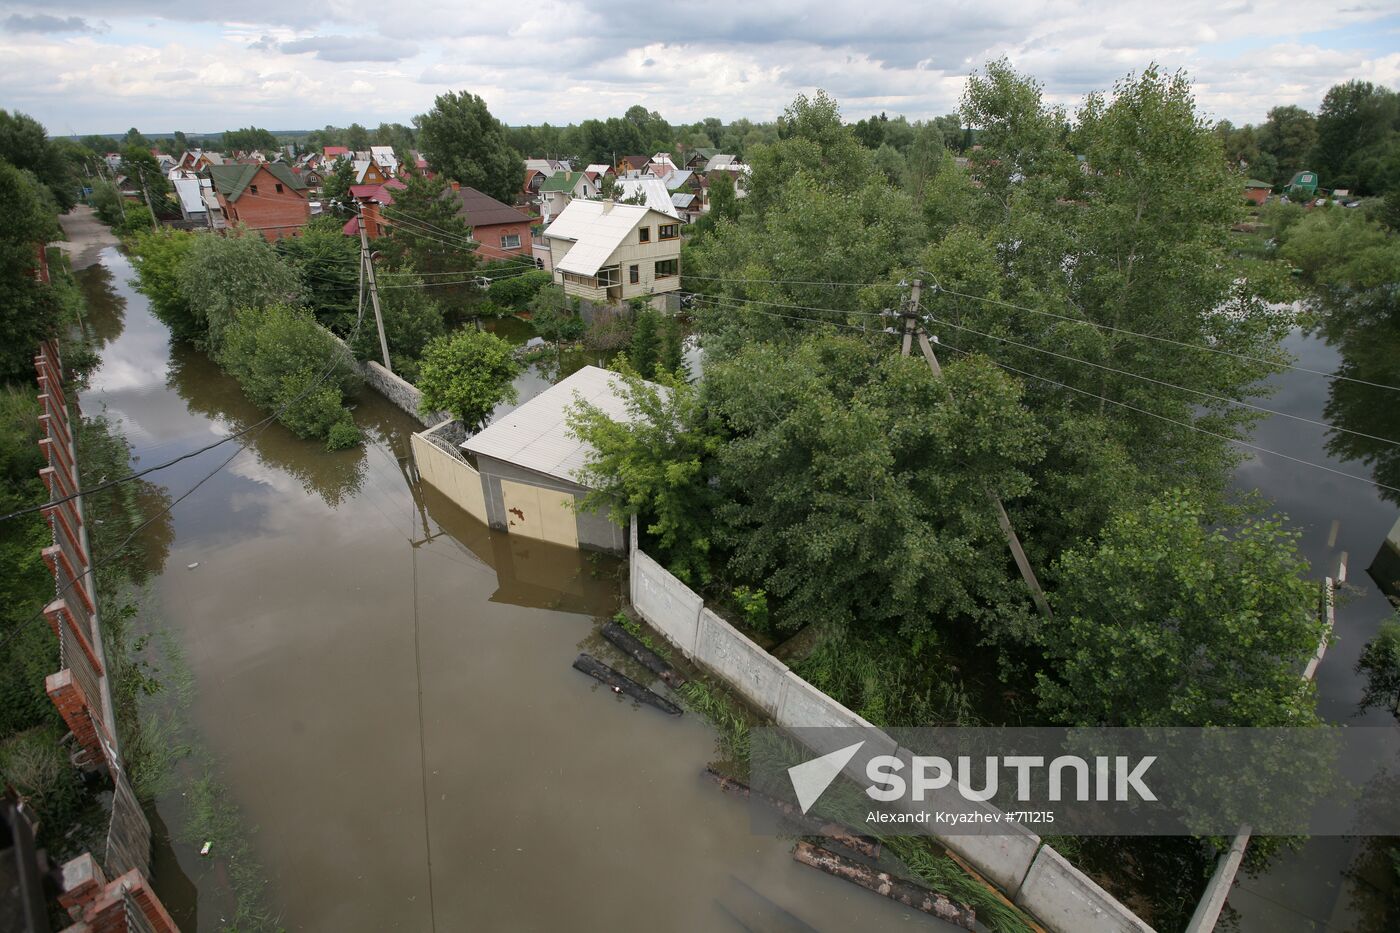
(76, 709)
(83, 881)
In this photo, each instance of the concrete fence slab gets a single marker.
(1064, 898)
(670, 606)
(754, 672)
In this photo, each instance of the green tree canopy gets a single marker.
(465, 143)
(1167, 620)
(468, 374)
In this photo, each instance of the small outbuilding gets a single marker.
(1257, 192)
(530, 465)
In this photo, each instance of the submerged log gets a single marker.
(643, 655)
(624, 685)
(882, 882)
(856, 843)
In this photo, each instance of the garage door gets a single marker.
(545, 514)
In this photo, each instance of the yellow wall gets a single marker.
(452, 477)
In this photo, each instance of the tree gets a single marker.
(158, 257)
(468, 374)
(327, 263)
(671, 353)
(1169, 620)
(430, 235)
(555, 317)
(335, 187)
(221, 277)
(646, 341)
(357, 137)
(411, 320)
(608, 332)
(517, 291)
(29, 311)
(465, 143)
(144, 172)
(1358, 137)
(286, 362)
(1288, 135)
(654, 465)
(1380, 664)
(24, 143)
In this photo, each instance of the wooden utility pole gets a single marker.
(155, 228)
(913, 326)
(367, 269)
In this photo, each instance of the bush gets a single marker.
(468, 374)
(518, 290)
(158, 258)
(221, 276)
(278, 354)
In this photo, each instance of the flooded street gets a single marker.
(1331, 883)
(384, 687)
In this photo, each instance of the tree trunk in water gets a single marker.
(881, 882)
(623, 685)
(856, 843)
(643, 655)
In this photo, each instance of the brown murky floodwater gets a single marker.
(384, 686)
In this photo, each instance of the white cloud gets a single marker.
(287, 66)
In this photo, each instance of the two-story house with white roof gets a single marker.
(608, 253)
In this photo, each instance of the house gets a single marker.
(501, 231)
(331, 153)
(267, 197)
(530, 465)
(194, 200)
(1257, 192)
(370, 172)
(311, 176)
(559, 189)
(720, 160)
(600, 170)
(384, 157)
(371, 200)
(1303, 185)
(632, 165)
(737, 171)
(608, 252)
(688, 206)
(660, 165)
(698, 158)
(192, 162)
(646, 190)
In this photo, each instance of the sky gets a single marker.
(101, 66)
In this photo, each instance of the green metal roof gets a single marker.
(1256, 183)
(232, 180)
(561, 181)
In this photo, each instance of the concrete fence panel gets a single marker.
(1064, 898)
(670, 606)
(752, 671)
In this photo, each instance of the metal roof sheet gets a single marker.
(597, 229)
(536, 435)
(653, 190)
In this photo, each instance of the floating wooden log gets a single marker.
(634, 648)
(856, 843)
(624, 685)
(882, 882)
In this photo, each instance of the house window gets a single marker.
(279, 189)
(634, 274)
(510, 241)
(668, 231)
(667, 267)
(644, 235)
(253, 189)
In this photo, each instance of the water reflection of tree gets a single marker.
(1365, 328)
(106, 308)
(334, 476)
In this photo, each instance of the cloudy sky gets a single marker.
(86, 66)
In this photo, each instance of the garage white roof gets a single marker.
(597, 229)
(536, 435)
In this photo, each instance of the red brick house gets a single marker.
(266, 197)
(501, 231)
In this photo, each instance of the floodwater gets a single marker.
(385, 688)
(1333, 883)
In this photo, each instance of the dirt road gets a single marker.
(86, 236)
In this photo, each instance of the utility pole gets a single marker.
(367, 269)
(912, 327)
(155, 228)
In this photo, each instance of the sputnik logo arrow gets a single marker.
(811, 778)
